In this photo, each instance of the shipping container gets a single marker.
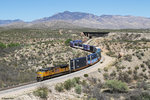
(89, 59)
(80, 46)
(77, 41)
(78, 63)
(92, 48)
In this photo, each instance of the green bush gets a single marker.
(106, 69)
(128, 58)
(106, 75)
(142, 65)
(78, 89)
(2, 45)
(41, 92)
(76, 80)
(13, 44)
(144, 69)
(116, 86)
(124, 77)
(130, 71)
(142, 54)
(99, 70)
(67, 41)
(113, 73)
(86, 75)
(84, 83)
(59, 87)
(136, 68)
(111, 54)
(68, 84)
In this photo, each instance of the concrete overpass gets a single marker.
(95, 34)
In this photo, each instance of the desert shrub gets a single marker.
(59, 87)
(106, 69)
(145, 76)
(84, 82)
(106, 75)
(68, 84)
(144, 70)
(130, 71)
(77, 79)
(136, 68)
(41, 92)
(128, 57)
(147, 63)
(67, 41)
(138, 56)
(99, 70)
(13, 44)
(142, 85)
(78, 89)
(123, 67)
(2, 45)
(86, 75)
(142, 54)
(116, 86)
(139, 96)
(110, 53)
(124, 77)
(136, 77)
(113, 74)
(142, 65)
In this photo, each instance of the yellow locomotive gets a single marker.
(52, 72)
(74, 64)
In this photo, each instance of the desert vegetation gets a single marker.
(131, 51)
(42, 92)
(24, 51)
(127, 78)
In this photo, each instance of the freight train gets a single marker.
(74, 64)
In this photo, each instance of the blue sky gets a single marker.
(29, 10)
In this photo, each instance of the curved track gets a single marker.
(31, 87)
(5, 94)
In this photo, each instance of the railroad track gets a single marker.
(30, 86)
(14, 86)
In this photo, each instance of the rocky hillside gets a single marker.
(133, 51)
(78, 19)
(126, 78)
(25, 51)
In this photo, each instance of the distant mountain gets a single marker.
(4, 22)
(68, 16)
(78, 19)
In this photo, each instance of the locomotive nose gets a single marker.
(39, 74)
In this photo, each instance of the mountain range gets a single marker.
(69, 19)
